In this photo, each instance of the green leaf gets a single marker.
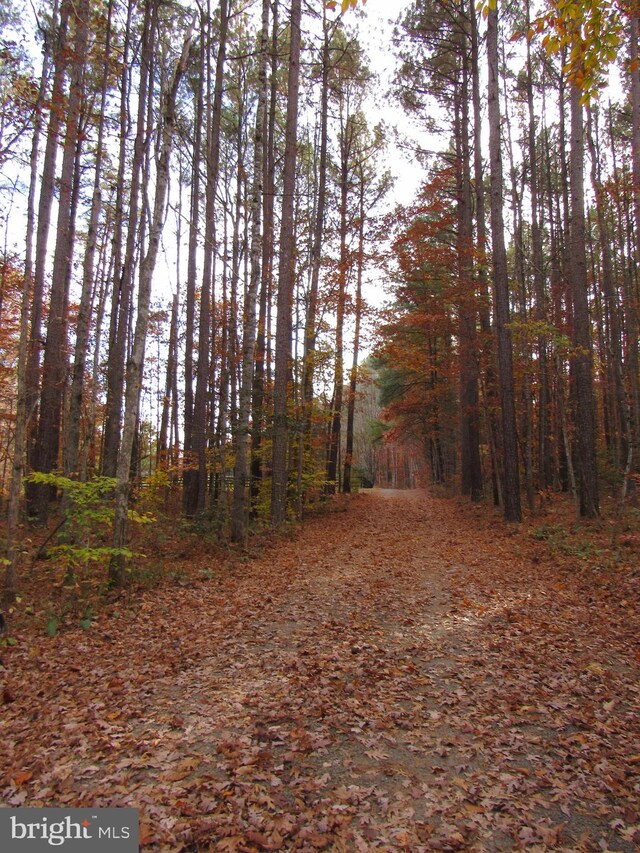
(52, 626)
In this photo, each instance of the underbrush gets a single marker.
(57, 592)
(63, 571)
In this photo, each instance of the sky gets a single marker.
(375, 29)
(374, 24)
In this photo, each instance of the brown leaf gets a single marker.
(265, 842)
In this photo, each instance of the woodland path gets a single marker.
(397, 677)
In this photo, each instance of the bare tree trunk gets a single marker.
(545, 478)
(622, 427)
(353, 376)
(582, 357)
(13, 507)
(89, 456)
(318, 233)
(335, 425)
(286, 279)
(195, 495)
(136, 360)
(23, 412)
(258, 398)
(123, 289)
(47, 184)
(170, 379)
(634, 71)
(72, 439)
(54, 367)
(471, 467)
(487, 350)
(520, 279)
(192, 272)
(239, 514)
(512, 511)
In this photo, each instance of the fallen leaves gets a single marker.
(21, 777)
(397, 678)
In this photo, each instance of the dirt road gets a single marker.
(397, 677)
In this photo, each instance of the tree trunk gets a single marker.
(353, 376)
(545, 478)
(286, 279)
(521, 288)
(72, 439)
(239, 514)
(162, 460)
(47, 186)
(23, 413)
(621, 425)
(487, 349)
(335, 425)
(318, 233)
(123, 289)
(471, 468)
(195, 495)
(259, 392)
(54, 367)
(89, 456)
(136, 361)
(582, 361)
(512, 511)
(634, 72)
(192, 272)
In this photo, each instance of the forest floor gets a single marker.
(399, 674)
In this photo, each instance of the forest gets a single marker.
(331, 342)
(204, 205)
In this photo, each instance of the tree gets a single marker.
(238, 521)
(124, 266)
(286, 278)
(135, 364)
(72, 437)
(370, 188)
(511, 487)
(418, 362)
(582, 361)
(351, 78)
(437, 65)
(591, 34)
(196, 485)
(32, 376)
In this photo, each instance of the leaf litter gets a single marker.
(400, 676)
